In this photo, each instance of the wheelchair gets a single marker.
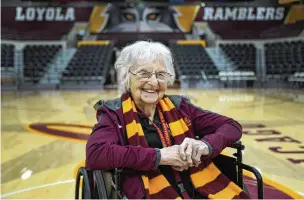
(105, 184)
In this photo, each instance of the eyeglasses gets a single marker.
(162, 76)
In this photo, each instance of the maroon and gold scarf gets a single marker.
(207, 180)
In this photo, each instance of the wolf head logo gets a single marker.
(142, 18)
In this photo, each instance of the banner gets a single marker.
(228, 22)
(142, 18)
(42, 23)
(247, 22)
(242, 13)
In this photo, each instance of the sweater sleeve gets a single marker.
(217, 131)
(104, 152)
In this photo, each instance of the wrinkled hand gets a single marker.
(171, 156)
(192, 150)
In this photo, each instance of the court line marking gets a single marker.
(37, 187)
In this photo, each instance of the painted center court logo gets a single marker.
(63, 131)
(77, 132)
(272, 189)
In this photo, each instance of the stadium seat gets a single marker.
(89, 63)
(7, 56)
(192, 61)
(36, 60)
(284, 59)
(242, 56)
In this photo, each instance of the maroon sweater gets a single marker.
(107, 146)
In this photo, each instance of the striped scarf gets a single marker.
(206, 178)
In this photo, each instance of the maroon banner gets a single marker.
(40, 23)
(275, 14)
(238, 22)
(250, 22)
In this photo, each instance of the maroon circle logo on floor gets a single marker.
(64, 131)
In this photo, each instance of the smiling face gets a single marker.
(147, 90)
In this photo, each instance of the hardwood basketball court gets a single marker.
(44, 134)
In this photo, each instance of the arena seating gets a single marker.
(8, 69)
(89, 63)
(242, 56)
(192, 61)
(36, 60)
(284, 59)
(7, 56)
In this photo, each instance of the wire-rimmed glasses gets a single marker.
(162, 76)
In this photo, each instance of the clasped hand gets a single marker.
(185, 155)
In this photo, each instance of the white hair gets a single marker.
(139, 53)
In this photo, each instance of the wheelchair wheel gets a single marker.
(86, 183)
(100, 185)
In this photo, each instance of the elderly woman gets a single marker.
(164, 144)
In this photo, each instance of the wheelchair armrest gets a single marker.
(238, 145)
(258, 177)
